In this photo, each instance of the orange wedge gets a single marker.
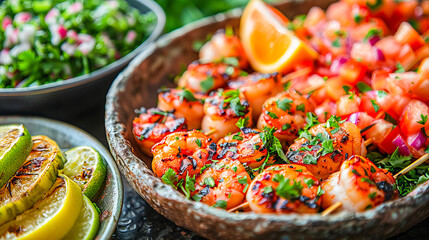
(269, 45)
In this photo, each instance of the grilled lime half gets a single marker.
(15, 145)
(33, 180)
(50, 218)
(87, 224)
(86, 167)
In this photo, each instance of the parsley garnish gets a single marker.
(237, 137)
(327, 147)
(363, 87)
(346, 89)
(198, 142)
(301, 107)
(375, 105)
(309, 182)
(375, 5)
(371, 33)
(400, 68)
(372, 195)
(231, 61)
(233, 98)
(424, 119)
(209, 182)
(271, 114)
(170, 177)
(286, 126)
(357, 18)
(242, 122)
(284, 104)
(336, 43)
(207, 84)
(320, 192)
(267, 189)
(367, 180)
(311, 120)
(189, 186)
(220, 204)
(309, 159)
(242, 179)
(188, 95)
(287, 85)
(287, 190)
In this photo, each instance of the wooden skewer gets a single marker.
(413, 165)
(367, 142)
(239, 207)
(331, 209)
(296, 74)
(211, 131)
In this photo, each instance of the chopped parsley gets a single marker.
(311, 120)
(209, 182)
(424, 119)
(346, 89)
(207, 84)
(327, 147)
(309, 159)
(220, 204)
(198, 142)
(237, 137)
(242, 122)
(189, 186)
(372, 195)
(287, 190)
(336, 43)
(372, 33)
(400, 68)
(375, 5)
(234, 101)
(286, 126)
(363, 87)
(188, 95)
(357, 18)
(271, 114)
(233, 61)
(375, 105)
(242, 179)
(309, 182)
(170, 177)
(367, 180)
(301, 107)
(284, 104)
(267, 189)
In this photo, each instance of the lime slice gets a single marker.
(33, 180)
(86, 226)
(15, 145)
(86, 167)
(50, 218)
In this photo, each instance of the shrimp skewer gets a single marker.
(287, 113)
(324, 147)
(257, 88)
(153, 125)
(285, 188)
(222, 184)
(184, 104)
(359, 185)
(207, 77)
(222, 111)
(224, 45)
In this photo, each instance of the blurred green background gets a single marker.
(181, 12)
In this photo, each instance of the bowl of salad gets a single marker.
(58, 57)
(261, 128)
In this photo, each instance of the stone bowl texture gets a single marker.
(155, 67)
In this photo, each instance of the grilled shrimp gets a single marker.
(286, 112)
(359, 185)
(284, 188)
(222, 46)
(257, 88)
(207, 77)
(222, 111)
(322, 149)
(222, 184)
(247, 146)
(184, 104)
(153, 125)
(183, 152)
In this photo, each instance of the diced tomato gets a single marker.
(422, 53)
(406, 34)
(352, 72)
(424, 68)
(347, 105)
(379, 79)
(361, 119)
(369, 103)
(412, 115)
(386, 144)
(315, 19)
(325, 110)
(304, 64)
(406, 57)
(364, 53)
(379, 131)
(398, 103)
(404, 10)
(359, 32)
(336, 12)
(334, 88)
(411, 84)
(390, 48)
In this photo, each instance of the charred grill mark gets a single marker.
(247, 130)
(225, 148)
(185, 164)
(344, 139)
(311, 203)
(387, 188)
(204, 191)
(335, 153)
(283, 206)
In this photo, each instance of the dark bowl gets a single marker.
(136, 86)
(109, 198)
(69, 97)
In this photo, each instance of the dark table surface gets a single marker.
(139, 221)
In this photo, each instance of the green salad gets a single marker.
(52, 40)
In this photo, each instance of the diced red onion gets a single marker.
(51, 17)
(22, 47)
(69, 48)
(72, 35)
(87, 43)
(373, 40)
(418, 141)
(11, 35)
(112, 4)
(349, 44)
(6, 22)
(75, 8)
(22, 18)
(5, 57)
(354, 118)
(337, 64)
(400, 143)
(26, 34)
(62, 31)
(379, 54)
(131, 36)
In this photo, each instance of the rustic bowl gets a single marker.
(136, 86)
(109, 198)
(63, 99)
